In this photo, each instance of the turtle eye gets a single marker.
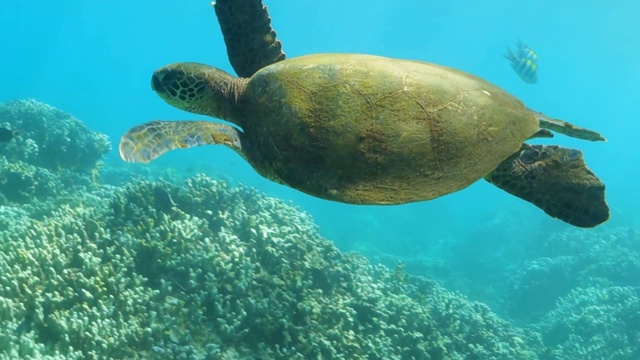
(169, 77)
(166, 78)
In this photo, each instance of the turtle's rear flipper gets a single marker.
(146, 142)
(556, 180)
(251, 42)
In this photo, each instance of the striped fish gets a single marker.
(524, 62)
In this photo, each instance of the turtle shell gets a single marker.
(374, 130)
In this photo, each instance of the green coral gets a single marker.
(54, 157)
(23, 183)
(222, 273)
(50, 138)
(569, 260)
(594, 323)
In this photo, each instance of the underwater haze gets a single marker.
(539, 277)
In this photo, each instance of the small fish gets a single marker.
(524, 62)
(23, 328)
(26, 324)
(163, 199)
(7, 134)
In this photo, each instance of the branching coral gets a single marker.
(22, 183)
(219, 273)
(50, 138)
(594, 323)
(573, 259)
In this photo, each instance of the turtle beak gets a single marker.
(156, 80)
(165, 80)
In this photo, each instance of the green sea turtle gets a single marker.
(366, 129)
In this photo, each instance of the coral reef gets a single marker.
(578, 288)
(23, 183)
(50, 138)
(55, 156)
(204, 271)
(568, 260)
(594, 323)
(196, 269)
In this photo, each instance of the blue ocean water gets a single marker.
(94, 59)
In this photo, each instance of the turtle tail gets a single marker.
(555, 179)
(568, 129)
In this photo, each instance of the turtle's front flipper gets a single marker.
(568, 129)
(146, 142)
(251, 42)
(556, 180)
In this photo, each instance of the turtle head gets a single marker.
(198, 88)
